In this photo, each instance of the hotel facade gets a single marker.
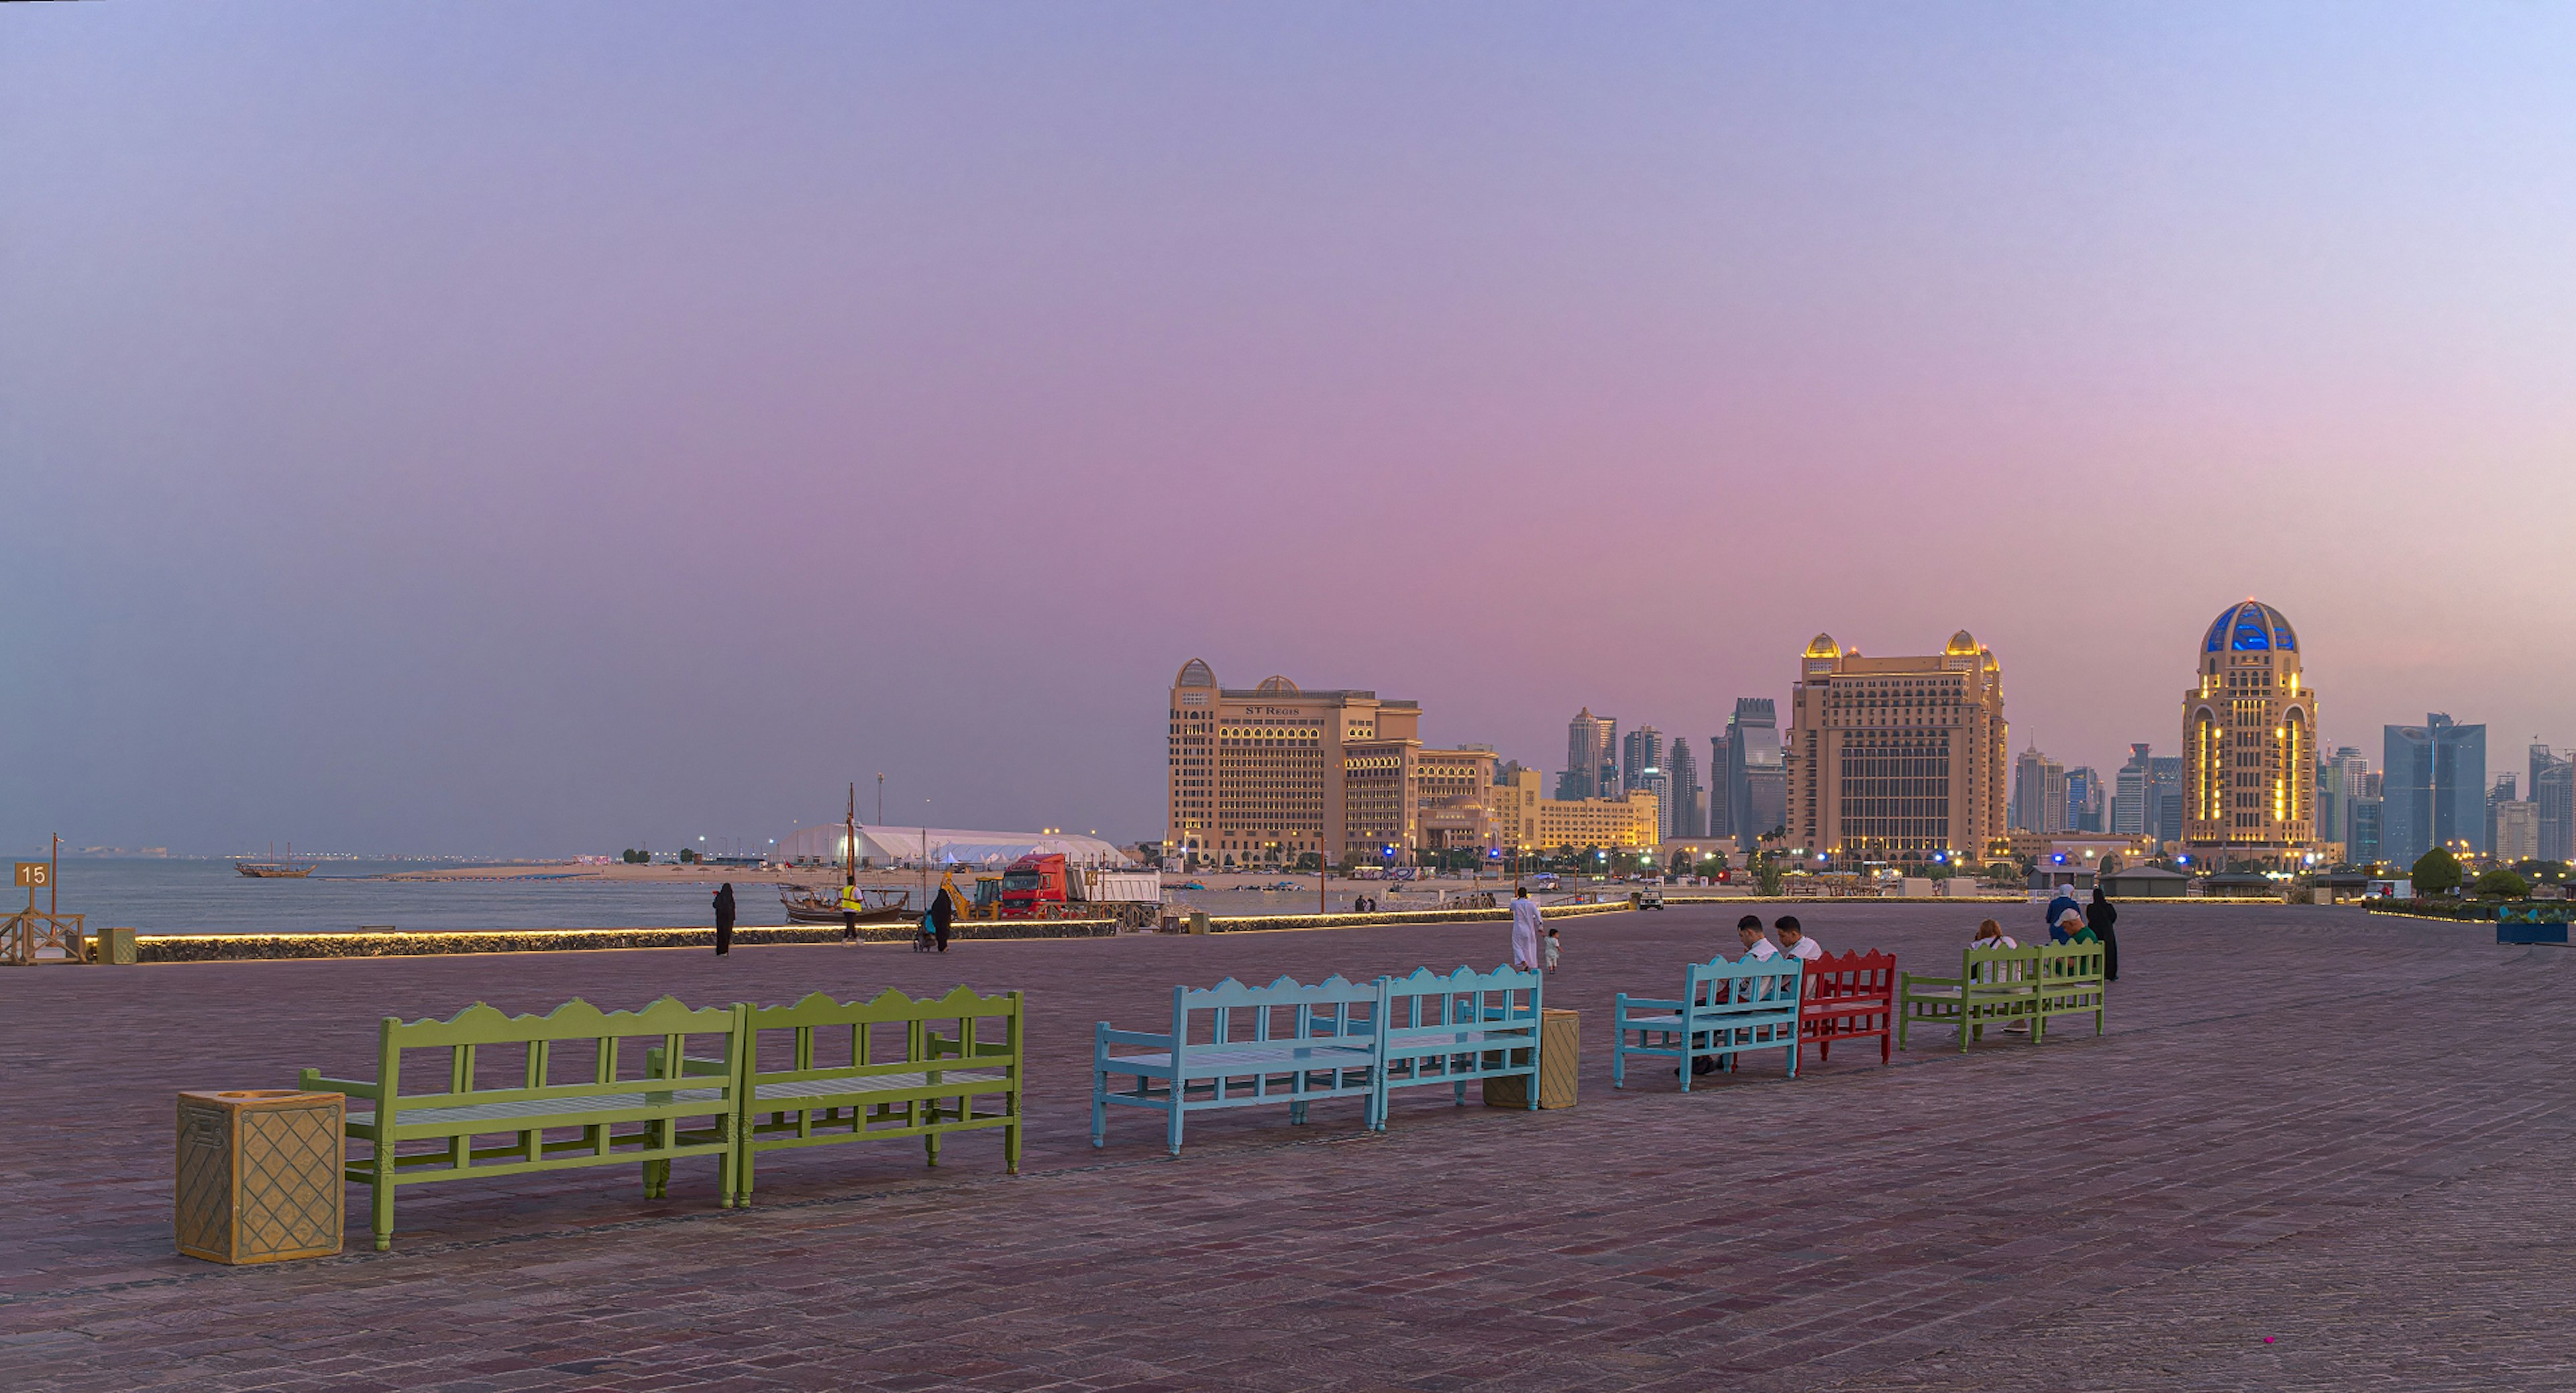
(2249, 740)
(1896, 759)
(1272, 772)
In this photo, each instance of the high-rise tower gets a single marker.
(2249, 739)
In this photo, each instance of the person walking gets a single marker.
(1526, 931)
(2099, 916)
(943, 912)
(724, 919)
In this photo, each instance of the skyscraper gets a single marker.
(1591, 758)
(2165, 795)
(2434, 783)
(2083, 799)
(2499, 793)
(2553, 793)
(1721, 816)
(1639, 750)
(2249, 743)
(1757, 788)
(2130, 814)
(2038, 793)
(2338, 783)
(1896, 759)
(2362, 819)
(1689, 815)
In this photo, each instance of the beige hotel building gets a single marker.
(1897, 759)
(1275, 771)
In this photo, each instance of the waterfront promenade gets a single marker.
(2317, 1150)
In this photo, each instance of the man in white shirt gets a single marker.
(1525, 930)
(1757, 949)
(1794, 940)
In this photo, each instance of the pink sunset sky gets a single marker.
(540, 429)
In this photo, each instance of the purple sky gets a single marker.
(537, 429)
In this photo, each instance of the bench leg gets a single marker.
(657, 1179)
(381, 1208)
(930, 1143)
(1099, 1110)
(1172, 1123)
(1011, 1137)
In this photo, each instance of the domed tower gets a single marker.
(2249, 744)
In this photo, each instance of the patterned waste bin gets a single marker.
(1560, 1053)
(114, 947)
(259, 1175)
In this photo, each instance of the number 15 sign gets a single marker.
(35, 875)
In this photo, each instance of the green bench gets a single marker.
(853, 1071)
(1998, 986)
(620, 1118)
(873, 1071)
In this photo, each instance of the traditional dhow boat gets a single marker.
(822, 907)
(273, 868)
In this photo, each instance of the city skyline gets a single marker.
(535, 431)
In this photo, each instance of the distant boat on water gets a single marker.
(815, 907)
(273, 868)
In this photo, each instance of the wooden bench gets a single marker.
(2069, 982)
(663, 1119)
(872, 1071)
(1850, 997)
(1457, 1029)
(1995, 986)
(1233, 1046)
(1725, 1009)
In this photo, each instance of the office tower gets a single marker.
(2130, 810)
(2434, 783)
(2038, 793)
(1272, 772)
(2165, 795)
(1591, 757)
(1721, 817)
(2249, 741)
(2553, 797)
(2083, 799)
(1757, 781)
(2516, 834)
(1896, 759)
(1689, 816)
(1658, 785)
(1640, 750)
(2361, 842)
(2499, 792)
(2338, 783)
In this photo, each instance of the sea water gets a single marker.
(156, 896)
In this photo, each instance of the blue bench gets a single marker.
(1464, 1027)
(1725, 1009)
(1233, 1046)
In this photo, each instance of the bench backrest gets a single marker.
(884, 1035)
(1721, 987)
(2070, 962)
(1426, 1000)
(667, 1025)
(1285, 1010)
(1852, 977)
(1999, 964)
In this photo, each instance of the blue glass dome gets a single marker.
(2252, 627)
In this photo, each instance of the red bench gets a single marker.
(1850, 996)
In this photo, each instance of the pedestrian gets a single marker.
(2058, 906)
(1552, 949)
(724, 919)
(1526, 930)
(2099, 916)
(1794, 940)
(2070, 927)
(850, 913)
(943, 912)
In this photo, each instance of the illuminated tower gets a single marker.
(2249, 739)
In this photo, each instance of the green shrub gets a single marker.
(2436, 871)
(2500, 884)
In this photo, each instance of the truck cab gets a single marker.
(1035, 887)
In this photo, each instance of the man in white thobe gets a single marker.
(1525, 931)
(1794, 940)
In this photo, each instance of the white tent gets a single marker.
(905, 846)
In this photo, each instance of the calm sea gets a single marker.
(168, 896)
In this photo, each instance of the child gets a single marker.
(1551, 950)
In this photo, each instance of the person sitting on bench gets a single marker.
(1757, 949)
(1794, 940)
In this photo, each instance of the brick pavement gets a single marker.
(2341, 1132)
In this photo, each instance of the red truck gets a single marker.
(1049, 887)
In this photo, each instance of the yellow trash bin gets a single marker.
(1560, 1055)
(260, 1175)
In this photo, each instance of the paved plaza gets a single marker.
(2317, 1150)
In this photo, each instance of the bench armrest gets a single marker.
(311, 1081)
(1131, 1037)
(691, 1066)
